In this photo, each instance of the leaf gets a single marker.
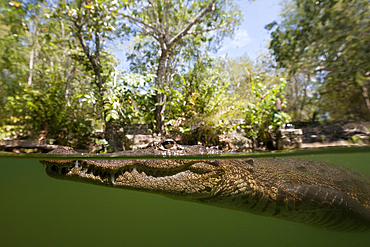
(271, 25)
(15, 4)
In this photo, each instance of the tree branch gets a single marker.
(184, 32)
(158, 24)
(135, 21)
(206, 30)
(86, 50)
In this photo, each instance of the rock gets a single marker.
(237, 141)
(335, 132)
(139, 129)
(288, 139)
(141, 141)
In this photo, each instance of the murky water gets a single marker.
(36, 210)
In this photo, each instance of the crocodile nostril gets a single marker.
(208, 189)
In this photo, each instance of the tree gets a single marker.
(40, 83)
(169, 22)
(330, 40)
(93, 24)
(12, 56)
(300, 92)
(237, 72)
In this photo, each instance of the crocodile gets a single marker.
(310, 192)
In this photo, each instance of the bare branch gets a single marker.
(159, 25)
(136, 21)
(207, 30)
(97, 45)
(184, 32)
(166, 31)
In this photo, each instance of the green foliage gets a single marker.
(206, 133)
(301, 91)
(98, 18)
(194, 107)
(196, 94)
(154, 17)
(178, 29)
(58, 78)
(11, 129)
(93, 24)
(328, 41)
(40, 83)
(129, 101)
(46, 112)
(104, 144)
(13, 55)
(266, 114)
(322, 138)
(355, 139)
(237, 74)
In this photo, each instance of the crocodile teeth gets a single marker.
(76, 164)
(112, 178)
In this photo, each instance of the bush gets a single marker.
(194, 105)
(265, 115)
(46, 112)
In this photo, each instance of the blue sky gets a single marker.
(251, 37)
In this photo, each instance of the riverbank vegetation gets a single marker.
(61, 79)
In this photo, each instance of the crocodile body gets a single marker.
(310, 192)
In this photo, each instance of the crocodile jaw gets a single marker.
(192, 179)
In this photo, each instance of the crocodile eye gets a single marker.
(168, 144)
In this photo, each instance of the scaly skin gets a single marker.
(310, 192)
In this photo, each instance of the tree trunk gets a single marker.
(304, 96)
(160, 113)
(366, 96)
(112, 136)
(31, 65)
(33, 53)
(159, 31)
(110, 129)
(161, 97)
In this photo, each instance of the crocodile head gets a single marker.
(186, 178)
(310, 192)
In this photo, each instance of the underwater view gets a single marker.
(37, 210)
(267, 103)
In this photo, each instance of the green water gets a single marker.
(37, 210)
